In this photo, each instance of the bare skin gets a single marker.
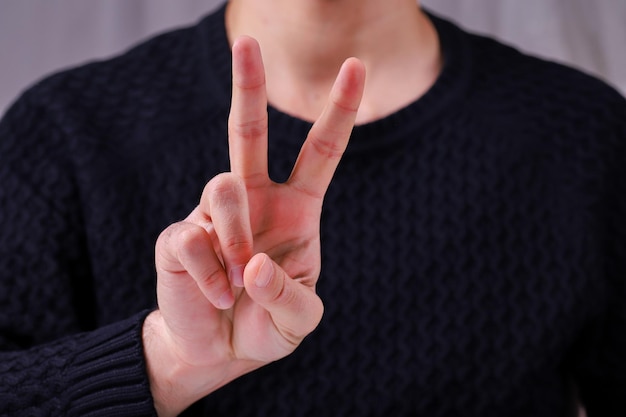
(305, 42)
(236, 279)
(208, 330)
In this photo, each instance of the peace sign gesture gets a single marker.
(236, 278)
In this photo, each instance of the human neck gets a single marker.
(305, 42)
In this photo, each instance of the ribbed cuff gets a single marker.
(108, 377)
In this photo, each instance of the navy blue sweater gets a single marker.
(474, 242)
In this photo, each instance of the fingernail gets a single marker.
(265, 274)
(236, 275)
(226, 300)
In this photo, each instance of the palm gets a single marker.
(287, 229)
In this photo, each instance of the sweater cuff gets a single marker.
(109, 377)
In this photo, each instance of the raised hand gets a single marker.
(236, 278)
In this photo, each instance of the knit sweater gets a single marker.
(473, 242)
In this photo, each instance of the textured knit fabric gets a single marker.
(474, 242)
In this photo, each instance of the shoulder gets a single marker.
(504, 83)
(568, 124)
(143, 101)
(539, 85)
(117, 113)
(537, 100)
(126, 80)
(169, 76)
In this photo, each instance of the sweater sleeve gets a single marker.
(99, 373)
(53, 358)
(600, 365)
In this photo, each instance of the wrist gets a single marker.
(175, 384)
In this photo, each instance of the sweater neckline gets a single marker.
(448, 89)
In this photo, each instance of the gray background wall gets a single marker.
(41, 36)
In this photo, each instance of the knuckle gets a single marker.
(249, 129)
(235, 244)
(223, 189)
(327, 148)
(165, 241)
(225, 186)
(190, 240)
(308, 318)
(213, 278)
(344, 103)
(176, 243)
(164, 238)
(282, 296)
(192, 245)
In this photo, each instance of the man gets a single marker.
(472, 237)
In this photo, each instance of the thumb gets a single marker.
(295, 308)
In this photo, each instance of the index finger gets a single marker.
(328, 138)
(247, 122)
